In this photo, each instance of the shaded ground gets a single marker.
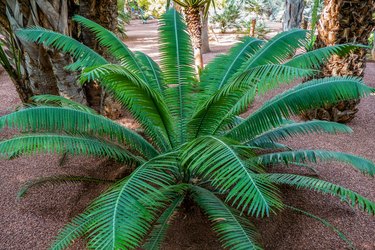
(33, 222)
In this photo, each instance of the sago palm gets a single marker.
(197, 148)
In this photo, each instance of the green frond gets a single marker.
(122, 216)
(74, 145)
(80, 52)
(162, 224)
(235, 231)
(145, 104)
(236, 96)
(115, 47)
(57, 180)
(325, 223)
(302, 156)
(55, 120)
(220, 161)
(176, 58)
(269, 145)
(72, 231)
(59, 101)
(302, 128)
(350, 197)
(218, 71)
(316, 58)
(292, 102)
(265, 77)
(152, 71)
(278, 49)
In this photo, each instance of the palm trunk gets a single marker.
(205, 38)
(193, 20)
(293, 14)
(104, 12)
(42, 70)
(344, 22)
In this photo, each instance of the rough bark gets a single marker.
(344, 22)
(293, 14)
(194, 25)
(42, 70)
(104, 12)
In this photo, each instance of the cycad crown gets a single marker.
(196, 145)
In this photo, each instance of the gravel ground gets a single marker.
(32, 223)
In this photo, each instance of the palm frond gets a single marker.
(278, 49)
(292, 102)
(73, 230)
(57, 180)
(114, 46)
(122, 216)
(235, 97)
(83, 54)
(325, 223)
(301, 156)
(221, 162)
(218, 71)
(55, 120)
(177, 64)
(145, 104)
(60, 101)
(235, 231)
(350, 197)
(316, 58)
(162, 224)
(152, 71)
(269, 145)
(302, 128)
(52, 143)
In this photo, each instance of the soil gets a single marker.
(32, 223)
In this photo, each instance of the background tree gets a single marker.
(205, 37)
(192, 10)
(344, 22)
(38, 71)
(293, 14)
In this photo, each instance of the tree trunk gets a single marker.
(103, 12)
(42, 70)
(252, 27)
(205, 38)
(344, 22)
(193, 20)
(293, 14)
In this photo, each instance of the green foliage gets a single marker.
(196, 147)
(228, 18)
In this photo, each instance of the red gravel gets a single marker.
(33, 222)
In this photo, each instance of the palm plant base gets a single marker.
(200, 151)
(344, 22)
(342, 112)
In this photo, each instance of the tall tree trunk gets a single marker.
(103, 12)
(341, 22)
(42, 70)
(194, 25)
(293, 14)
(205, 38)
